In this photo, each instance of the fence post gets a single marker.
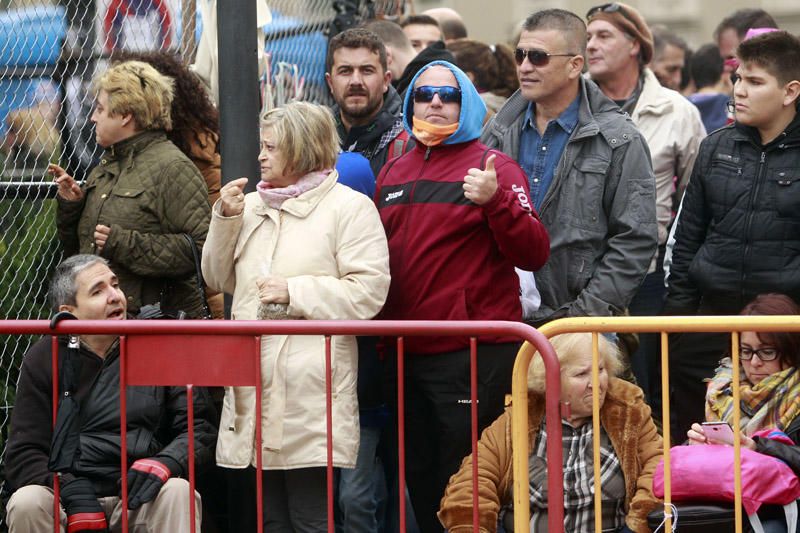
(239, 104)
(238, 90)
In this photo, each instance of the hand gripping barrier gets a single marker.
(663, 325)
(187, 353)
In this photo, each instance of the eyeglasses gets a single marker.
(538, 58)
(765, 354)
(613, 7)
(447, 94)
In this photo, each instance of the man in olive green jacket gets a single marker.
(145, 197)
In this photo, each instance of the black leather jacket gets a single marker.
(738, 232)
(786, 453)
(157, 422)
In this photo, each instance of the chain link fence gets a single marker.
(50, 51)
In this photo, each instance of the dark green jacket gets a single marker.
(149, 194)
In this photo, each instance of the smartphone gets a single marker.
(718, 432)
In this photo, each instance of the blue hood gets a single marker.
(473, 110)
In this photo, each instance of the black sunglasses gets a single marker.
(447, 94)
(611, 8)
(538, 58)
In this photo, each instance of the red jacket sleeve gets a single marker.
(516, 227)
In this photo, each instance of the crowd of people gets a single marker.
(594, 166)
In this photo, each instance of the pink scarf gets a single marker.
(274, 197)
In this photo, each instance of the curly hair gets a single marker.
(492, 67)
(194, 117)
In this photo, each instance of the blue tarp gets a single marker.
(28, 37)
(31, 36)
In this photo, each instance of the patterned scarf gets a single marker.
(772, 403)
(274, 197)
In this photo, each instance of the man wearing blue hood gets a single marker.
(458, 220)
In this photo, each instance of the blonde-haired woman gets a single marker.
(301, 246)
(137, 206)
(629, 443)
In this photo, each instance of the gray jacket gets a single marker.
(600, 210)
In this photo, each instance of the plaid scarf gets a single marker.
(772, 403)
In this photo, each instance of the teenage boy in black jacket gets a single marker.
(738, 233)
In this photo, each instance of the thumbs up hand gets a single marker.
(480, 185)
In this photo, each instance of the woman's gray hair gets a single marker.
(63, 289)
(568, 347)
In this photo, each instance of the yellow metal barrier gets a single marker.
(664, 325)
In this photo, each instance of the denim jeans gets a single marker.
(362, 488)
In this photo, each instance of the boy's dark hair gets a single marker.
(706, 66)
(453, 29)
(356, 38)
(423, 20)
(777, 52)
(744, 19)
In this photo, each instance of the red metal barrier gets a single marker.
(147, 341)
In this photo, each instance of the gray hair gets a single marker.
(63, 289)
(569, 347)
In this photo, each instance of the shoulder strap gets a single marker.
(201, 285)
(399, 145)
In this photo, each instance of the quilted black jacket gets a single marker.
(738, 232)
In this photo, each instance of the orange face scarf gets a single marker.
(431, 134)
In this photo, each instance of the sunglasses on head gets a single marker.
(613, 7)
(538, 58)
(447, 95)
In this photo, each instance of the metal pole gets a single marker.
(238, 90)
(239, 104)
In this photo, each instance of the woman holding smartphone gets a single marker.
(769, 392)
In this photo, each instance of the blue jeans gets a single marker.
(362, 488)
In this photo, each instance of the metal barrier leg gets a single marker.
(473, 380)
(401, 433)
(190, 421)
(123, 428)
(57, 477)
(329, 422)
(665, 429)
(259, 429)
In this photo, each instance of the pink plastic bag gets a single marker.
(705, 473)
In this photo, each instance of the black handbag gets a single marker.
(201, 284)
(159, 311)
(700, 518)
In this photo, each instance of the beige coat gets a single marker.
(330, 245)
(673, 129)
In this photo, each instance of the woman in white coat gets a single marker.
(301, 246)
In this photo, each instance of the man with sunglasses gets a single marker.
(458, 220)
(619, 47)
(589, 171)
